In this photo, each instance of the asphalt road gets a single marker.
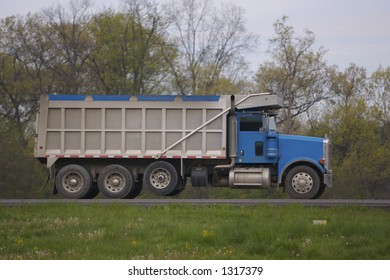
(148, 202)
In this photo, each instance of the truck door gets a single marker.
(252, 139)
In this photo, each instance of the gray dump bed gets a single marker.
(130, 126)
(98, 126)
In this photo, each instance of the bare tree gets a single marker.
(209, 41)
(21, 77)
(66, 44)
(296, 71)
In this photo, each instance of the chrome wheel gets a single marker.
(302, 183)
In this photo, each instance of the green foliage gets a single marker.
(358, 131)
(18, 98)
(192, 232)
(131, 54)
(378, 91)
(21, 174)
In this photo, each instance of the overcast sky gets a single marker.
(353, 31)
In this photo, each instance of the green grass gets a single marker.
(193, 232)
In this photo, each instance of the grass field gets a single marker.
(193, 232)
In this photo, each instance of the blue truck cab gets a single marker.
(301, 164)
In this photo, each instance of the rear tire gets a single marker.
(135, 191)
(161, 178)
(115, 181)
(179, 188)
(302, 182)
(74, 181)
(94, 192)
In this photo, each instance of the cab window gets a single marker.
(250, 123)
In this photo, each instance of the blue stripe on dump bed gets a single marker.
(156, 97)
(66, 97)
(98, 97)
(200, 98)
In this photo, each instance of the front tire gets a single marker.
(161, 178)
(302, 182)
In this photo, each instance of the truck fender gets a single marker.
(299, 161)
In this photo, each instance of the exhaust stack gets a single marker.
(232, 136)
(232, 123)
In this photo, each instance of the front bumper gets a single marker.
(328, 180)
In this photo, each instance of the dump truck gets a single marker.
(119, 144)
